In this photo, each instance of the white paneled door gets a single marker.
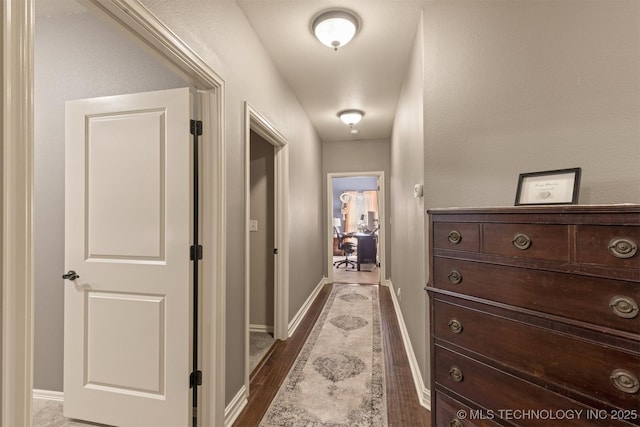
(127, 237)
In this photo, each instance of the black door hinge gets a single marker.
(195, 379)
(275, 251)
(195, 252)
(196, 127)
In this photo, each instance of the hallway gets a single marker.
(478, 94)
(403, 408)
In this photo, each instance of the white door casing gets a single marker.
(381, 220)
(256, 121)
(127, 235)
(17, 279)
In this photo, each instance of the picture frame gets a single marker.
(553, 187)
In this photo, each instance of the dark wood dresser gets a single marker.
(534, 316)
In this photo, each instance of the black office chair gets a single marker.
(348, 247)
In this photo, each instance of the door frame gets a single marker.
(17, 198)
(255, 121)
(381, 220)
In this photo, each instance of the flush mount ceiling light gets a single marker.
(351, 117)
(335, 28)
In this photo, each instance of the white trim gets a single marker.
(213, 283)
(261, 328)
(424, 394)
(17, 219)
(381, 220)
(56, 396)
(295, 322)
(257, 122)
(235, 407)
(134, 17)
(17, 184)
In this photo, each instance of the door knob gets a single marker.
(71, 275)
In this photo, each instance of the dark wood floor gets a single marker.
(403, 408)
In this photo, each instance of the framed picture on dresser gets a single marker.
(554, 187)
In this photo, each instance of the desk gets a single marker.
(367, 248)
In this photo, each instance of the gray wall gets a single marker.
(536, 86)
(76, 56)
(357, 156)
(221, 35)
(407, 213)
(512, 87)
(261, 242)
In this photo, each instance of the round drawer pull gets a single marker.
(624, 381)
(521, 241)
(624, 307)
(455, 277)
(455, 326)
(623, 248)
(455, 423)
(456, 374)
(454, 237)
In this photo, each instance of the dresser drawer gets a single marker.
(553, 357)
(509, 396)
(548, 242)
(451, 413)
(608, 245)
(605, 302)
(456, 236)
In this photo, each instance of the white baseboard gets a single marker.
(295, 322)
(261, 328)
(232, 411)
(58, 396)
(424, 394)
(241, 399)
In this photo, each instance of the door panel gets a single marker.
(137, 366)
(121, 223)
(127, 235)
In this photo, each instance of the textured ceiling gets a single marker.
(366, 74)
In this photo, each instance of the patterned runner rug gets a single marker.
(338, 377)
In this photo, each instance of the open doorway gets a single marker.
(355, 232)
(267, 150)
(262, 244)
(64, 32)
(18, 357)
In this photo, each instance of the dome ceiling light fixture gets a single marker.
(351, 117)
(335, 27)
